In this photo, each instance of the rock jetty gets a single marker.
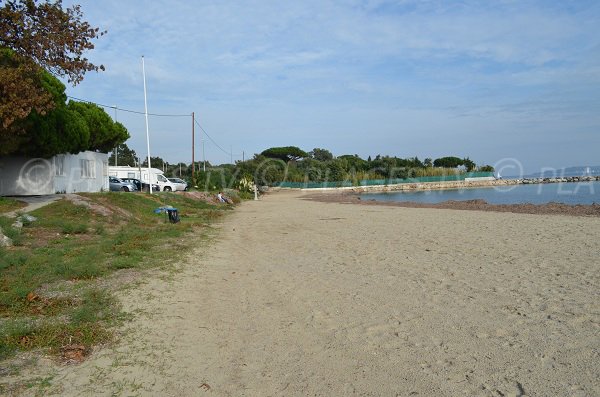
(527, 181)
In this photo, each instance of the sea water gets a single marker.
(543, 193)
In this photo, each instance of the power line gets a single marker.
(212, 140)
(159, 115)
(128, 110)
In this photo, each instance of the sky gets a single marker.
(514, 84)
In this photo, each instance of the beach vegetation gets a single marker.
(318, 165)
(8, 204)
(55, 292)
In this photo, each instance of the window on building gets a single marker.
(59, 165)
(88, 168)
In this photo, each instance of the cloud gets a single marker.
(259, 64)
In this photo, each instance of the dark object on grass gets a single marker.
(173, 215)
(171, 212)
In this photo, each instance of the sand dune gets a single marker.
(298, 298)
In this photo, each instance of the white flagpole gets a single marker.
(147, 133)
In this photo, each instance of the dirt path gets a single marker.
(298, 298)
(33, 203)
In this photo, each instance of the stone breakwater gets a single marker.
(451, 184)
(432, 185)
(561, 179)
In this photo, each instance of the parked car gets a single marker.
(117, 185)
(180, 184)
(141, 186)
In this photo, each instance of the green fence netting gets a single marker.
(380, 182)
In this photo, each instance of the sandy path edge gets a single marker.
(298, 297)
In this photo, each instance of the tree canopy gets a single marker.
(453, 162)
(37, 36)
(67, 128)
(38, 41)
(320, 154)
(125, 156)
(286, 153)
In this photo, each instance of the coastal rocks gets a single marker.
(23, 219)
(28, 218)
(589, 178)
(467, 184)
(5, 241)
(430, 185)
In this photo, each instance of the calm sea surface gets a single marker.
(568, 193)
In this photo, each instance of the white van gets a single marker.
(156, 176)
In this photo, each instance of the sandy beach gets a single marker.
(298, 297)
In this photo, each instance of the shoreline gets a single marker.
(591, 210)
(444, 185)
(297, 297)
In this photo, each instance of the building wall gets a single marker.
(82, 172)
(68, 173)
(21, 176)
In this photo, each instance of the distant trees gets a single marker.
(319, 165)
(125, 156)
(320, 154)
(285, 164)
(155, 162)
(454, 162)
(355, 162)
(448, 162)
(286, 153)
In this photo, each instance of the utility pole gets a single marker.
(203, 155)
(193, 137)
(243, 156)
(230, 154)
(147, 131)
(116, 147)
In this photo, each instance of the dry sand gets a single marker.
(298, 298)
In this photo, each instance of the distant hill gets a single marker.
(569, 171)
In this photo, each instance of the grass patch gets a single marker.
(7, 205)
(74, 244)
(13, 233)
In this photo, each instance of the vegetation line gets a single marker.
(52, 293)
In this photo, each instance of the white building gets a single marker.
(63, 173)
